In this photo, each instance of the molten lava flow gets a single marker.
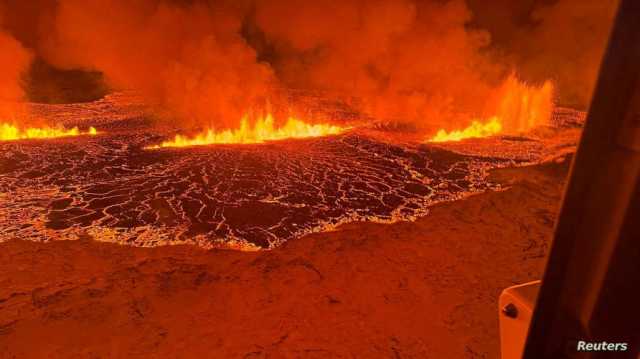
(263, 130)
(475, 130)
(10, 132)
(519, 108)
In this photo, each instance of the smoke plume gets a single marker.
(406, 60)
(187, 57)
(14, 61)
(559, 40)
(432, 63)
(567, 44)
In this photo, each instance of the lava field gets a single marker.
(110, 188)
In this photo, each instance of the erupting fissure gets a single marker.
(520, 108)
(475, 130)
(263, 130)
(10, 132)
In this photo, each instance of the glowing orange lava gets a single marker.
(475, 130)
(520, 108)
(10, 132)
(263, 130)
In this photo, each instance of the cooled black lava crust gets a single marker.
(263, 194)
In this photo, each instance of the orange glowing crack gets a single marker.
(263, 130)
(10, 132)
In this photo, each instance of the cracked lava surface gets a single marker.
(110, 188)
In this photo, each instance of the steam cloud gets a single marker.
(429, 62)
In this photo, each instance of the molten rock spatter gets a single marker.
(10, 132)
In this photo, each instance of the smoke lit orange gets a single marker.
(10, 132)
(263, 130)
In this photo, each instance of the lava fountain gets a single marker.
(475, 130)
(262, 130)
(9, 132)
(520, 108)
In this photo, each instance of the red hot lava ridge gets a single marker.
(253, 196)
